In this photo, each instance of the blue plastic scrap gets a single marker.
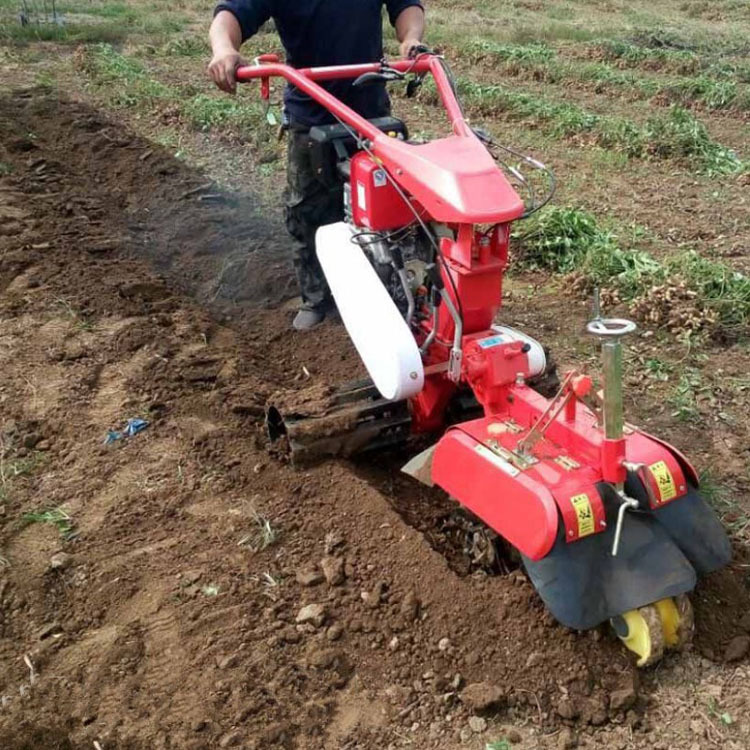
(132, 428)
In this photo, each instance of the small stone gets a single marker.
(308, 577)
(49, 629)
(199, 725)
(290, 635)
(229, 662)
(465, 734)
(333, 541)
(567, 709)
(393, 644)
(333, 570)
(373, 598)
(444, 644)
(514, 736)
(315, 614)
(477, 724)
(535, 658)
(231, 739)
(567, 739)
(737, 648)
(60, 561)
(410, 606)
(622, 700)
(482, 696)
(334, 632)
(190, 577)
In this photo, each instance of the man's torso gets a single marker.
(331, 32)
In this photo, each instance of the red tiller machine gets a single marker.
(608, 520)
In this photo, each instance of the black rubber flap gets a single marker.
(694, 527)
(583, 585)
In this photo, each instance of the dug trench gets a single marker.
(161, 610)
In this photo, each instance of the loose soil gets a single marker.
(131, 287)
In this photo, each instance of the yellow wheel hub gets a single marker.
(648, 630)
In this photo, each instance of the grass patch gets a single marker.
(732, 514)
(206, 111)
(526, 54)
(725, 291)
(57, 517)
(5, 169)
(13, 469)
(685, 292)
(540, 62)
(684, 397)
(190, 46)
(677, 135)
(128, 83)
(73, 33)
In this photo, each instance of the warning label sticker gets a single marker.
(585, 514)
(664, 481)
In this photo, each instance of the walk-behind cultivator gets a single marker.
(608, 520)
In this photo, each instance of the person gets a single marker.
(314, 33)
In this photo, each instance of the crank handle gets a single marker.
(627, 504)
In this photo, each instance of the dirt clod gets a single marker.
(623, 699)
(568, 709)
(308, 576)
(410, 606)
(567, 739)
(477, 724)
(737, 648)
(60, 561)
(482, 697)
(333, 570)
(315, 614)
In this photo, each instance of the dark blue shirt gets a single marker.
(324, 32)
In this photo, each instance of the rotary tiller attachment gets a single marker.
(608, 519)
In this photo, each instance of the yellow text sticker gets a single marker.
(585, 514)
(664, 480)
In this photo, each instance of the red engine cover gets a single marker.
(376, 204)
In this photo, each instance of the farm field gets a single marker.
(185, 588)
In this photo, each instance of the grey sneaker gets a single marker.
(308, 318)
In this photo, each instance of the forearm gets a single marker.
(410, 24)
(225, 33)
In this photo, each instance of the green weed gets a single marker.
(519, 53)
(684, 397)
(73, 33)
(719, 287)
(677, 135)
(57, 517)
(207, 112)
(658, 369)
(720, 497)
(5, 169)
(190, 46)
(680, 135)
(567, 239)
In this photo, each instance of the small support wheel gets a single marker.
(642, 633)
(678, 622)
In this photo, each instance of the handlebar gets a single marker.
(306, 80)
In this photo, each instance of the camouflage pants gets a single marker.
(309, 205)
